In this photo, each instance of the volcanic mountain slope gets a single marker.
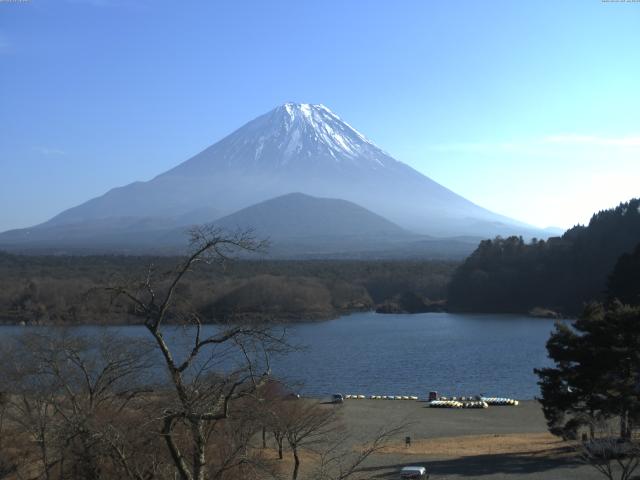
(299, 225)
(300, 216)
(293, 148)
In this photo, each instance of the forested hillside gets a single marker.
(561, 274)
(49, 289)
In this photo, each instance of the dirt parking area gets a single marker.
(509, 442)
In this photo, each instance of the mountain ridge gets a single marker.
(293, 148)
(297, 215)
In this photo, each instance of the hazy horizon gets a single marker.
(528, 110)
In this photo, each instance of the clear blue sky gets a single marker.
(529, 108)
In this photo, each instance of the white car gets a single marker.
(413, 472)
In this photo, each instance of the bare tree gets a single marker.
(236, 453)
(29, 403)
(7, 466)
(316, 428)
(86, 404)
(275, 422)
(306, 424)
(269, 405)
(616, 458)
(218, 369)
(340, 461)
(67, 393)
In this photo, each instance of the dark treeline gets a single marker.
(624, 281)
(560, 274)
(63, 289)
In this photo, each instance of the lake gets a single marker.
(455, 354)
(375, 354)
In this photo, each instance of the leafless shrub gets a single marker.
(614, 457)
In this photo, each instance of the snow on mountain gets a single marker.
(329, 132)
(294, 148)
(293, 136)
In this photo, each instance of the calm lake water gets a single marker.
(374, 354)
(454, 354)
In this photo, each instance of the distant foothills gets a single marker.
(298, 175)
(554, 277)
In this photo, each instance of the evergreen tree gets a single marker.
(561, 273)
(624, 281)
(597, 371)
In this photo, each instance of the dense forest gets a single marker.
(594, 262)
(64, 289)
(560, 274)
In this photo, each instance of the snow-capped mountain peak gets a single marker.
(291, 139)
(296, 147)
(329, 126)
(296, 133)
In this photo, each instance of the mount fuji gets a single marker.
(301, 148)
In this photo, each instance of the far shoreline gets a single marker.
(289, 319)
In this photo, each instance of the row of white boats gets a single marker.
(444, 402)
(472, 402)
(500, 401)
(457, 404)
(381, 397)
